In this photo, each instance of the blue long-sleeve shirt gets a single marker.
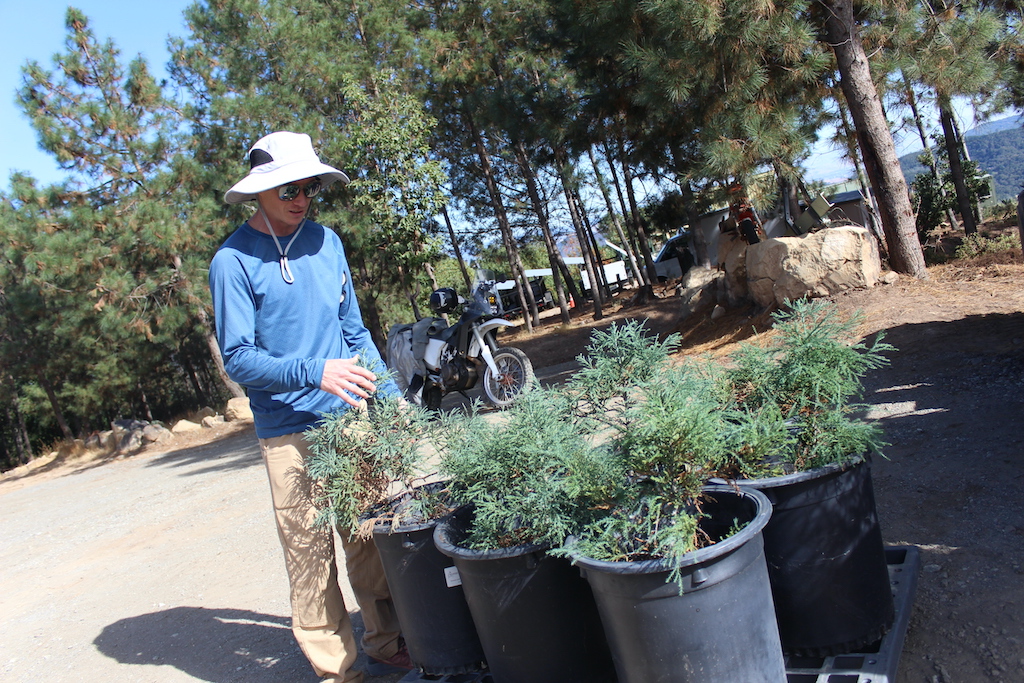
(275, 337)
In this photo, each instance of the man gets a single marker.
(290, 331)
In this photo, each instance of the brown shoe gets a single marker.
(396, 663)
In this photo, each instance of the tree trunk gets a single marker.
(634, 265)
(58, 414)
(875, 138)
(589, 258)
(642, 273)
(870, 207)
(702, 255)
(487, 170)
(932, 164)
(233, 387)
(962, 143)
(595, 248)
(641, 234)
(956, 167)
(189, 370)
(1020, 219)
(371, 318)
(554, 258)
(147, 411)
(458, 252)
(368, 307)
(22, 445)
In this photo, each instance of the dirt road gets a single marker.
(164, 566)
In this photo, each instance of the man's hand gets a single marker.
(344, 377)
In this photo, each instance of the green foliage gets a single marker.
(357, 456)
(1005, 210)
(934, 197)
(618, 361)
(978, 244)
(106, 305)
(805, 377)
(531, 475)
(650, 529)
(780, 406)
(669, 435)
(1000, 153)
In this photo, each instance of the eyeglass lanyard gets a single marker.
(286, 272)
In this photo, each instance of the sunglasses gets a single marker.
(287, 193)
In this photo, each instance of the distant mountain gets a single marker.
(999, 152)
(998, 126)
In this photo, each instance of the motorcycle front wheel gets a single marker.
(515, 373)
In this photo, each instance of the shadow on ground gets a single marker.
(217, 645)
(236, 451)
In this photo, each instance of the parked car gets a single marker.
(675, 258)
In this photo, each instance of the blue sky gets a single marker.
(34, 30)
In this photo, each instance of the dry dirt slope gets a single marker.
(164, 566)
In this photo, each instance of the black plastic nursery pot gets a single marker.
(720, 628)
(534, 613)
(826, 559)
(429, 601)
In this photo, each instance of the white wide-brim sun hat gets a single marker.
(278, 159)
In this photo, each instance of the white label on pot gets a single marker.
(451, 577)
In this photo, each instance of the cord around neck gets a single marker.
(286, 271)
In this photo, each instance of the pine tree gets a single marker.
(345, 73)
(119, 253)
(841, 32)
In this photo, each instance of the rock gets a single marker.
(183, 426)
(732, 257)
(130, 441)
(889, 278)
(211, 421)
(238, 409)
(698, 290)
(127, 425)
(717, 312)
(108, 439)
(155, 433)
(205, 412)
(816, 264)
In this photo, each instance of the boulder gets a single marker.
(94, 442)
(698, 290)
(206, 411)
(817, 264)
(130, 441)
(732, 258)
(238, 409)
(183, 426)
(154, 433)
(108, 439)
(211, 421)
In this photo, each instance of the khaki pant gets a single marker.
(320, 620)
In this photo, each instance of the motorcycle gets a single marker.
(486, 293)
(430, 359)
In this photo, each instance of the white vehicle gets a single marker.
(614, 274)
